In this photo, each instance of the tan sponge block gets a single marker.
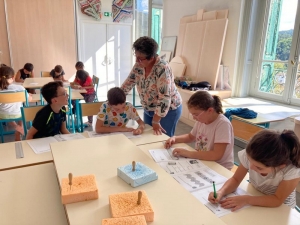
(83, 188)
(130, 220)
(125, 204)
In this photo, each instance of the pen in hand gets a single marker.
(215, 193)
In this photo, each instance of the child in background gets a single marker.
(273, 161)
(84, 81)
(26, 72)
(58, 73)
(212, 133)
(51, 119)
(11, 110)
(79, 66)
(115, 114)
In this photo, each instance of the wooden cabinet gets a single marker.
(186, 117)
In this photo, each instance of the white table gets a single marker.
(8, 158)
(36, 82)
(147, 136)
(31, 195)
(101, 156)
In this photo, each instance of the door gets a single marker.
(278, 61)
(119, 54)
(94, 55)
(105, 50)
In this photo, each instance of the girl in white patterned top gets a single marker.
(273, 161)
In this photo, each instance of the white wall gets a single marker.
(173, 10)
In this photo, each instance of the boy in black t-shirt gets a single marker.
(51, 120)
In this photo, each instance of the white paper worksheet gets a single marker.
(164, 155)
(194, 176)
(42, 145)
(179, 166)
(202, 196)
(199, 179)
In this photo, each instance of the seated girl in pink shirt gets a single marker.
(212, 133)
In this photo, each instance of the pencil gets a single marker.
(215, 193)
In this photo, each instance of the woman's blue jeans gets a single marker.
(168, 122)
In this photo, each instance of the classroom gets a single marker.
(83, 112)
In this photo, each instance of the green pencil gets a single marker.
(215, 193)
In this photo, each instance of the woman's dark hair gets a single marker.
(6, 73)
(2, 64)
(79, 65)
(116, 96)
(49, 90)
(82, 75)
(147, 46)
(203, 100)
(58, 69)
(28, 67)
(273, 149)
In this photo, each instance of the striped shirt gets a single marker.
(268, 184)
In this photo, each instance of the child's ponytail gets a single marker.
(292, 141)
(6, 73)
(218, 104)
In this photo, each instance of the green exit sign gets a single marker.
(107, 14)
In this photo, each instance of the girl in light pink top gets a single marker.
(212, 133)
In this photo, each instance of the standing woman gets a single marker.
(154, 79)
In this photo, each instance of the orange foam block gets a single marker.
(83, 188)
(125, 204)
(130, 220)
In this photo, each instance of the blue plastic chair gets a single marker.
(96, 84)
(70, 116)
(7, 97)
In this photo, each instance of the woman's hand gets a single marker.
(234, 203)
(170, 142)
(157, 129)
(181, 152)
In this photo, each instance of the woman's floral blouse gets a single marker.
(158, 91)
